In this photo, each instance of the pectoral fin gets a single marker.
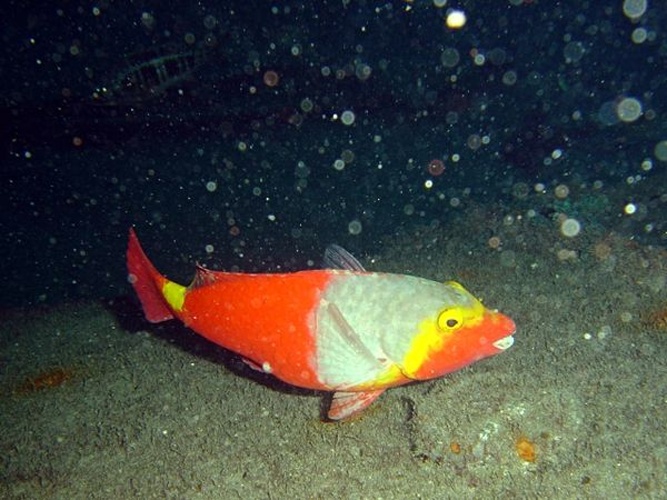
(356, 347)
(346, 404)
(344, 359)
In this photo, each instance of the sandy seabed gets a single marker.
(97, 403)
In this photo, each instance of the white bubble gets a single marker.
(607, 113)
(497, 56)
(639, 35)
(561, 191)
(209, 248)
(570, 227)
(604, 332)
(630, 208)
(339, 164)
(573, 52)
(634, 9)
(347, 117)
(628, 109)
(347, 156)
(210, 22)
(301, 171)
(354, 227)
(456, 19)
(660, 150)
(450, 57)
(509, 77)
(363, 71)
(306, 105)
(211, 186)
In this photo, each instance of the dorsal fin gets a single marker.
(336, 257)
(204, 276)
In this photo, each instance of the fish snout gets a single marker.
(503, 325)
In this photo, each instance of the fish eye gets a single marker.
(450, 319)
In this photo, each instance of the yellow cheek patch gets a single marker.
(429, 338)
(434, 333)
(174, 294)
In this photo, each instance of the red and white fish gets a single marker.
(346, 330)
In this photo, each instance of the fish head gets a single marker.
(461, 332)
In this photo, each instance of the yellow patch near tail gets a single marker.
(174, 295)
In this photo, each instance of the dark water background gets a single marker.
(222, 168)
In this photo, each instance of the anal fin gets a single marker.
(346, 404)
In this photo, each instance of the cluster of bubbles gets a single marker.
(346, 157)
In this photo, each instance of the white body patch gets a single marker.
(365, 323)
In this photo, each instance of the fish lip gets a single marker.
(504, 343)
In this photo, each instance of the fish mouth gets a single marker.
(504, 343)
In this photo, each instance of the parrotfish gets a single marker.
(341, 329)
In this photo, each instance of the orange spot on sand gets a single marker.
(525, 448)
(48, 379)
(657, 319)
(455, 447)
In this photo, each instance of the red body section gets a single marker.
(267, 318)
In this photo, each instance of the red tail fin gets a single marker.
(147, 282)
